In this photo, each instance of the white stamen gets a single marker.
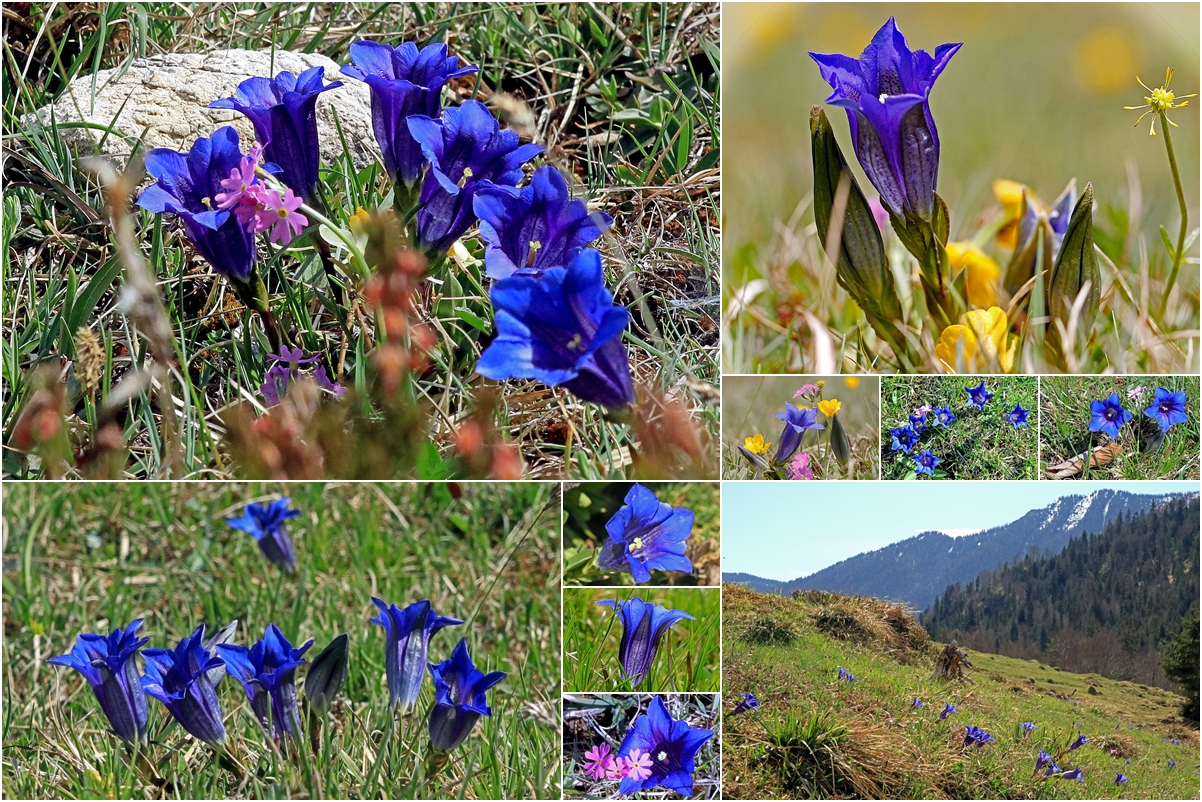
(883, 96)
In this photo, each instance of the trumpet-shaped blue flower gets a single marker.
(266, 525)
(1108, 416)
(943, 416)
(465, 147)
(1018, 415)
(1168, 409)
(1075, 774)
(108, 664)
(186, 185)
(562, 328)
(1028, 728)
(904, 438)
(529, 231)
(917, 703)
(643, 626)
(408, 634)
(182, 679)
(459, 698)
(976, 736)
(1051, 769)
(925, 462)
(283, 111)
(797, 422)
(978, 396)
(267, 671)
(749, 703)
(672, 746)
(1080, 742)
(885, 93)
(948, 709)
(404, 81)
(647, 535)
(1120, 778)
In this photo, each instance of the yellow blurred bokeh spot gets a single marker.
(1104, 60)
(753, 31)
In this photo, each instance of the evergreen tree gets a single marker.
(1179, 659)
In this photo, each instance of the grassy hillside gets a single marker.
(816, 735)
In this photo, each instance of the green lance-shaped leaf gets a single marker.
(861, 266)
(1076, 264)
(840, 447)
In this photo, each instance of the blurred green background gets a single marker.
(1036, 95)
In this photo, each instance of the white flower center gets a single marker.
(663, 757)
(883, 96)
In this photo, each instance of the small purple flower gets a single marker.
(643, 625)
(465, 147)
(1018, 415)
(1051, 769)
(925, 463)
(1080, 742)
(978, 396)
(1168, 409)
(1028, 728)
(1108, 416)
(266, 525)
(407, 633)
(404, 81)
(108, 664)
(283, 111)
(1172, 764)
(917, 703)
(529, 231)
(459, 698)
(904, 438)
(797, 422)
(943, 416)
(287, 368)
(886, 95)
(749, 703)
(646, 535)
(562, 328)
(672, 746)
(1075, 774)
(918, 422)
(267, 671)
(1120, 778)
(1043, 759)
(976, 736)
(182, 679)
(948, 709)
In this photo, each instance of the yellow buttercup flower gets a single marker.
(983, 273)
(983, 338)
(1160, 102)
(830, 408)
(1010, 195)
(756, 445)
(851, 382)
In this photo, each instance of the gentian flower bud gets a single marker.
(327, 674)
(528, 231)
(404, 81)
(181, 680)
(1076, 265)
(108, 664)
(187, 185)
(840, 446)
(459, 699)
(408, 634)
(267, 671)
(1032, 218)
(671, 744)
(465, 147)
(646, 535)
(266, 525)
(283, 111)
(643, 625)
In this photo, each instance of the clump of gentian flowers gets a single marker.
(830, 454)
(1110, 417)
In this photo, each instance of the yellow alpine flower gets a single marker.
(830, 408)
(983, 273)
(1010, 195)
(851, 382)
(982, 337)
(756, 445)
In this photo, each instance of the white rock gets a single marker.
(164, 100)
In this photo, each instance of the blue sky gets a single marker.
(785, 530)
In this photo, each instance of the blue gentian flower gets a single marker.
(918, 423)
(977, 736)
(917, 703)
(108, 664)
(1172, 764)
(904, 438)
(459, 699)
(1120, 778)
(1051, 769)
(948, 709)
(1042, 760)
(885, 93)
(1080, 742)
(643, 625)
(562, 329)
(1075, 774)
(464, 148)
(266, 525)
(327, 674)
(1028, 727)
(943, 416)
(978, 396)
(1028, 225)
(186, 185)
(749, 703)
(797, 422)
(647, 535)
(182, 679)
(1018, 415)
(1168, 409)
(843, 672)
(267, 671)
(528, 231)
(925, 463)
(408, 634)
(1108, 416)
(672, 746)
(404, 81)
(283, 111)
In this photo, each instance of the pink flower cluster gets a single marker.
(600, 764)
(800, 468)
(259, 207)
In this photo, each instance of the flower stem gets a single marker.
(357, 260)
(1178, 255)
